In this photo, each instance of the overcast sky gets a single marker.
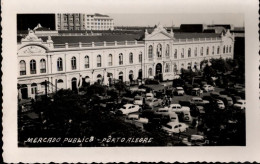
(176, 19)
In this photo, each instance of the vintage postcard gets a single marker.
(122, 81)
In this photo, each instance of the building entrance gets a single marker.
(74, 84)
(24, 91)
(158, 71)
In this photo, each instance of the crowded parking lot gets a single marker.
(186, 111)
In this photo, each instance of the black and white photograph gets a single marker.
(101, 78)
(84, 81)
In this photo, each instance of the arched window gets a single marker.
(73, 63)
(33, 67)
(150, 51)
(140, 57)
(22, 67)
(86, 61)
(131, 75)
(159, 51)
(230, 49)
(42, 66)
(175, 54)
(224, 50)
(131, 60)
(175, 68)
(207, 51)
(120, 59)
(213, 49)
(120, 76)
(218, 49)
(195, 51)
(189, 66)
(167, 52)
(59, 64)
(167, 67)
(99, 61)
(182, 53)
(201, 51)
(110, 60)
(189, 52)
(150, 72)
(34, 88)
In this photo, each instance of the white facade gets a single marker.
(99, 22)
(65, 66)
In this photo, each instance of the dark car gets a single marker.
(209, 98)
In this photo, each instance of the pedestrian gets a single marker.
(170, 100)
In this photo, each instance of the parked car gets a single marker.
(174, 127)
(151, 103)
(138, 100)
(177, 108)
(130, 108)
(173, 117)
(240, 104)
(186, 116)
(179, 91)
(197, 140)
(136, 120)
(214, 94)
(163, 111)
(227, 100)
(198, 101)
(220, 104)
(209, 98)
(208, 88)
(149, 96)
(194, 140)
(196, 92)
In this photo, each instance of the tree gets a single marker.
(120, 86)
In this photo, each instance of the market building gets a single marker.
(71, 61)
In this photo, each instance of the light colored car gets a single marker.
(178, 108)
(173, 117)
(220, 104)
(130, 108)
(138, 100)
(163, 111)
(179, 91)
(240, 104)
(175, 127)
(149, 96)
(208, 88)
(136, 120)
(153, 102)
(198, 101)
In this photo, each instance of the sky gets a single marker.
(176, 19)
(25, 21)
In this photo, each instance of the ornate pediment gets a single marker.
(32, 50)
(31, 37)
(159, 33)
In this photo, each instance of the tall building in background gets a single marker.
(83, 22)
(74, 21)
(99, 22)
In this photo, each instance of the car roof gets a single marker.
(241, 101)
(128, 104)
(173, 123)
(194, 98)
(133, 115)
(179, 88)
(165, 108)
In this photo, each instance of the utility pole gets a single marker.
(46, 88)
